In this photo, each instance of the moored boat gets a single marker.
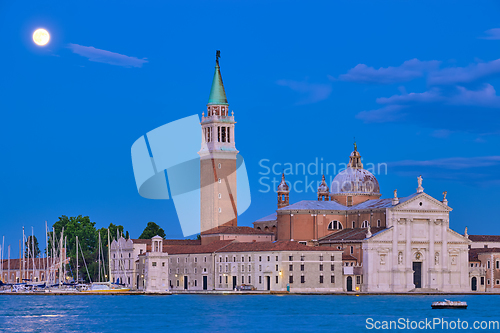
(447, 304)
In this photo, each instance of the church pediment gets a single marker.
(422, 202)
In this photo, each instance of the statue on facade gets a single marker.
(436, 258)
(395, 193)
(419, 178)
(444, 195)
(400, 257)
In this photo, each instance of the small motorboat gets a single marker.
(447, 304)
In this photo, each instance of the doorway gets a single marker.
(268, 282)
(417, 274)
(205, 282)
(474, 284)
(185, 283)
(234, 282)
(349, 283)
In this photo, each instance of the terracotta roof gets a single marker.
(484, 238)
(170, 241)
(348, 257)
(235, 231)
(14, 263)
(349, 235)
(193, 249)
(272, 246)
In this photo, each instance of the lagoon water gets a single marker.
(231, 313)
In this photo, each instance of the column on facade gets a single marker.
(444, 255)
(431, 257)
(408, 261)
(395, 253)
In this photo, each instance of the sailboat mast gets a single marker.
(61, 256)
(24, 256)
(77, 260)
(20, 266)
(33, 251)
(65, 253)
(99, 255)
(2, 250)
(109, 259)
(46, 254)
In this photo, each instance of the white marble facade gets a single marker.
(417, 238)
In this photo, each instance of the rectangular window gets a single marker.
(276, 258)
(302, 279)
(242, 259)
(332, 279)
(332, 258)
(290, 279)
(486, 246)
(276, 278)
(229, 134)
(352, 249)
(302, 258)
(249, 268)
(220, 279)
(358, 279)
(226, 278)
(332, 267)
(488, 265)
(249, 279)
(290, 258)
(177, 283)
(242, 279)
(321, 267)
(195, 259)
(482, 280)
(321, 279)
(218, 133)
(249, 259)
(153, 264)
(302, 267)
(223, 134)
(260, 258)
(349, 201)
(162, 264)
(321, 258)
(260, 279)
(260, 268)
(195, 283)
(268, 258)
(498, 264)
(488, 281)
(290, 268)
(276, 268)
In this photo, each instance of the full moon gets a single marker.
(41, 37)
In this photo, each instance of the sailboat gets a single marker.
(108, 286)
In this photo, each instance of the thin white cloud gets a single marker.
(493, 34)
(471, 73)
(107, 57)
(409, 70)
(310, 92)
(432, 95)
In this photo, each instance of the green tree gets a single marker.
(32, 250)
(88, 237)
(151, 230)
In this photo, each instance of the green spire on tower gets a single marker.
(217, 93)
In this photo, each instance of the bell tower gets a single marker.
(283, 193)
(217, 159)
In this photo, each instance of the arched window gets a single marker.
(353, 224)
(378, 223)
(335, 225)
(365, 224)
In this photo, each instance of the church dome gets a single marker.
(354, 179)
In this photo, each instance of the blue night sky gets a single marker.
(413, 81)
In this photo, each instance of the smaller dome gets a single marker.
(283, 186)
(354, 179)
